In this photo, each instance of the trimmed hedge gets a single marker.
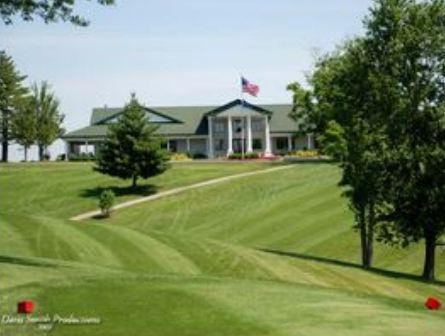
(199, 156)
(82, 157)
(247, 156)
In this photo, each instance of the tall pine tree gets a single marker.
(131, 149)
(12, 93)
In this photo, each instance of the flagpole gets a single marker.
(241, 87)
(242, 138)
(242, 118)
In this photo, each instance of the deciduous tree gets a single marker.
(49, 119)
(24, 126)
(48, 10)
(387, 91)
(406, 43)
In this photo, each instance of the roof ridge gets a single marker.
(189, 106)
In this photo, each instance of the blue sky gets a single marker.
(173, 52)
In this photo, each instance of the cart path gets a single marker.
(174, 191)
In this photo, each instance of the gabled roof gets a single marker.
(99, 117)
(237, 102)
(191, 120)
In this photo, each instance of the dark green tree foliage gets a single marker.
(304, 111)
(49, 119)
(406, 41)
(12, 93)
(131, 149)
(333, 141)
(339, 112)
(362, 175)
(345, 115)
(387, 91)
(48, 10)
(24, 126)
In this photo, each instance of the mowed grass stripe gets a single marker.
(12, 241)
(50, 238)
(213, 203)
(64, 189)
(215, 258)
(296, 210)
(41, 241)
(309, 293)
(85, 248)
(276, 216)
(284, 223)
(166, 257)
(293, 310)
(299, 234)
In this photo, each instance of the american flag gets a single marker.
(249, 87)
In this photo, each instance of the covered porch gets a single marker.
(82, 146)
(239, 127)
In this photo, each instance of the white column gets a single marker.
(210, 152)
(168, 145)
(86, 146)
(249, 134)
(289, 143)
(309, 141)
(268, 151)
(188, 144)
(230, 136)
(67, 149)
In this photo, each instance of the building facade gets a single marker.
(211, 131)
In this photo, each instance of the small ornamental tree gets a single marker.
(24, 127)
(131, 149)
(106, 202)
(49, 119)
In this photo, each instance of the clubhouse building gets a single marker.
(213, 131)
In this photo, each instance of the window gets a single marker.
(257, 144)
(237, 126)
(257, 125)
(173, 144)
(219, 126)
(281, 143)
(220, 145)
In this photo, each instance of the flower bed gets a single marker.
(306, 156)
(179, 157)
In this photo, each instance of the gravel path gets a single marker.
(174, 191)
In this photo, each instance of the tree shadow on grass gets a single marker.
(141, 190)
(26, 262)
(331, 261)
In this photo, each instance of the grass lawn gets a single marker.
(273, 254)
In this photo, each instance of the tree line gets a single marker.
(377, 104)
(28, 115)
(31, 115)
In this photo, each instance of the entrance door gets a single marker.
(238, 145)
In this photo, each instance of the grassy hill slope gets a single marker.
(272, 254)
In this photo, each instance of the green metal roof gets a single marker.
(191, 120)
